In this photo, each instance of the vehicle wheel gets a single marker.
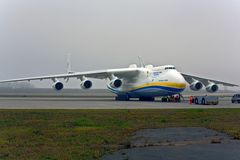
(203, 101)
(233, 101)
(196, 101)
(238, 101)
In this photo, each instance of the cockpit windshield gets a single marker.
(166, 68)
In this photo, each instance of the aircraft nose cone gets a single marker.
(181, 81)
(181, 78)
(178, 78)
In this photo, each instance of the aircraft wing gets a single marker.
(205, 81)
(100, 74)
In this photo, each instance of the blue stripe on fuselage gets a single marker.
(169, 89)
(154, 89)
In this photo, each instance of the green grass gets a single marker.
(89, 134)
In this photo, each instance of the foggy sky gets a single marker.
(198, 37)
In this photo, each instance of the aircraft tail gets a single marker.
(69, 64)
(141, 63)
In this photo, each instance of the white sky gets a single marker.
(198, 37)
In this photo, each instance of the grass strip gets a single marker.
(89, 134)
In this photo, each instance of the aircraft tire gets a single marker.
(164, 99)
(203, 101)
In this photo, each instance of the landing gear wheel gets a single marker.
(203, 101)
(164, 99)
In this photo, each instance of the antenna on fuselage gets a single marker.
(141, 63)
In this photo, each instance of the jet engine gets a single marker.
(196, 85)
(86, 84)
(116, 83)
(212, 87)
(57, 85)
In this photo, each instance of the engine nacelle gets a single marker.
(58, 85)
(116, 83)
(196, 85)
(86, 84)
(212, 87)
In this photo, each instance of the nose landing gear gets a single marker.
(176, 98)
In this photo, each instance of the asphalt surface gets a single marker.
(179, 144)
(96, 103)
(87, 99)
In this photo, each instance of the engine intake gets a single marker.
(86, 84)
(212, 87)
(196, 86)
(116, 83)
(58, 86)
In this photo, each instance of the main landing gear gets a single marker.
(126, 98)
(146, 99)
(122, 98)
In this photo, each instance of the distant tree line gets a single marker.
(18, 85)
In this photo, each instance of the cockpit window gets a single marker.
(166, 68)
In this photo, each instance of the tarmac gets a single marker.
(91, 99)
(154, 144)
(179, 144)
(96, 103)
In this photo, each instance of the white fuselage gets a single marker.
(152, 82)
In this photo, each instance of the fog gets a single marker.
(198, 37)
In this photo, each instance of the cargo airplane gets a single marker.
(145, 82)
